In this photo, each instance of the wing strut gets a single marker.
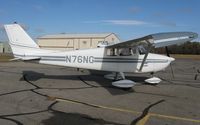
(146, 54)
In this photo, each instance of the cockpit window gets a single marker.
(141, 50)
(125, 52)
(134, 50)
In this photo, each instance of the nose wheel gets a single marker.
(153, 80)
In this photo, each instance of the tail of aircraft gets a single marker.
(19, 41)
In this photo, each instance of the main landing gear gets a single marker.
(120, 81)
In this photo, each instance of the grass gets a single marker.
(5, 57)
(185, 56)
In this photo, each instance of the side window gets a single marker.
(141, 50)
(125, 52)
(111, 52)
(134, 51)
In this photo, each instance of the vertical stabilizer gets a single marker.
(19, 41)
(18, 36)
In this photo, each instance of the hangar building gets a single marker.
(75, 41)
(5, 48)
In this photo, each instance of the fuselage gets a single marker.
(97, 59)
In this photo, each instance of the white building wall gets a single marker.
(58, 43)
(1, 47)
(96, 41)
(5, 48)
(112, 38)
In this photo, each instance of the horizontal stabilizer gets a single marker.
(14, 59)
(25, 59)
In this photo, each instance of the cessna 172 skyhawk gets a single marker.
(128, 56)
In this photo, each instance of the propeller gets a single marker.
(198, 72)
(167, 51)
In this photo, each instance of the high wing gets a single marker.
(157, 40)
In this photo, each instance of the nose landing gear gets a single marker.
(153, 80)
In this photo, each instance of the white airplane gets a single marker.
(128, 56)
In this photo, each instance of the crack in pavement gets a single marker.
(25, 79)
(143, 117)
(49, 109)
(25, 90)
(12, 120)
(145, 112)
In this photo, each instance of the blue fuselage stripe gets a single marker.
(98, 59)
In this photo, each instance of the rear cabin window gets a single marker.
(120, 52)
(125, 52)
(111, 52)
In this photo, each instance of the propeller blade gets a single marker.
(172, 71)
(167, 51)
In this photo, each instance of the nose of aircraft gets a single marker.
(171, 59)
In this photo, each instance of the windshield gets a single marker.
(141, 50)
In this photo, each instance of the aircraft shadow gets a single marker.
(92, 80)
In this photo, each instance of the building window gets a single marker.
(84, 42)
(100, 42)
(113, 39)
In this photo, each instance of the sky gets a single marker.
(127, 18)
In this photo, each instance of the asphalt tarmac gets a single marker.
(34, 94)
